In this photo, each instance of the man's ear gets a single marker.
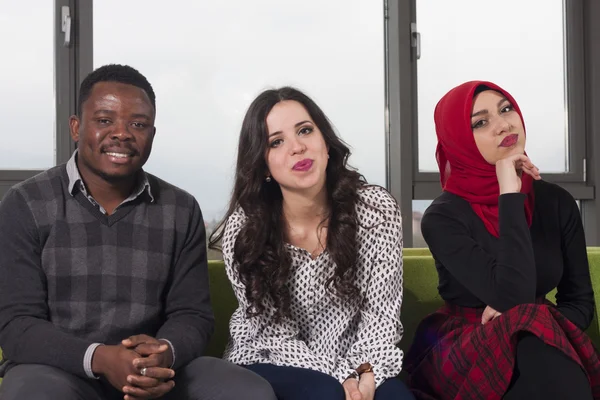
(74, 123)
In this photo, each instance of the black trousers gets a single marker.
(543, 372)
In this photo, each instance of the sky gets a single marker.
(208, 60)
(208, 63)
(27, 110)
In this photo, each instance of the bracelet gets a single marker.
(362, 369)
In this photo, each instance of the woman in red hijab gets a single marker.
(502, 239)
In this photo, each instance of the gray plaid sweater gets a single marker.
(71, 276)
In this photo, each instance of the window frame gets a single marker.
(590, 208)
(407, 183)
(575, 96)
(403, 178)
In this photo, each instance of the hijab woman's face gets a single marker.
(497, 127)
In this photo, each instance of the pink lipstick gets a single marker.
(303, 165)
(509, 140)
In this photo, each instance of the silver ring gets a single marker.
(143, 371)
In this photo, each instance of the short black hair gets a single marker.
(114, 73)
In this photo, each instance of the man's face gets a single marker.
(115, 131)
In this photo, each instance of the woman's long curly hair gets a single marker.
(263, 262)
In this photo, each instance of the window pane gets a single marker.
(522, 51)
(27, 108)
(419, 207)
(207, 60)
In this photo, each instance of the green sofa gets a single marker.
(420, 296)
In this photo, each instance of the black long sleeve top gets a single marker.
(477, 269)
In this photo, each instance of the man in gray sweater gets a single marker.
(103, 274)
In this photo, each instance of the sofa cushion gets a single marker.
(420, 296)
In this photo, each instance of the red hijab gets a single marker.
(463, 170)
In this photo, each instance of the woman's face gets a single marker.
(497, 128)
(297, 153)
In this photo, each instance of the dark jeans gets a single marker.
(291, 383)
(205, 378)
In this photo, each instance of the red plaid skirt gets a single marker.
(454, 357)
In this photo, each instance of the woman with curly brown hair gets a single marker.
(314, 255)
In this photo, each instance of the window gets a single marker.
(356, 58)
(208, 60)
(516, 44)
(27, 107)
(418, 208)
